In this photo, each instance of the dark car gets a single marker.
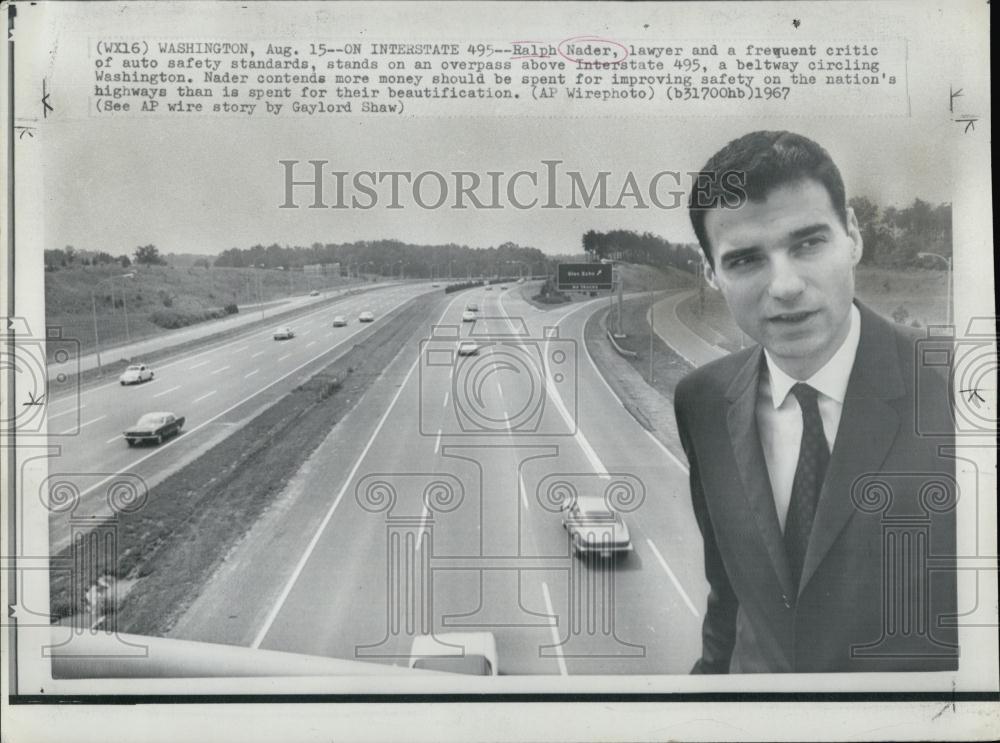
(154, 427)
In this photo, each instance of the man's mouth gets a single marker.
(792, 318)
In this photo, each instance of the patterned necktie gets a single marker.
(814, 456)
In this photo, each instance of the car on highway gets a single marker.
(468, 316)
(339, 321)
(283, 333)
(314, 293)
(136, 374)
(489, 288)
(366, 316)
(595, 528)
(472, 307)
(520, 280)
(435, 286)
(471, 653)
(468, 348)
(154, 427)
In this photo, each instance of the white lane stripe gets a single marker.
(437, 442)
(77, 409)
(423, 523)
(238, 350)
(114, 438)
(83, 425)
(255, 355)
(207, 394)
(556, 640)
(167, 392)
(673, 578)
(282, 358)
(200, 363)
(311, 343)
(246, 376)
(273, 614)
(524, 493)
(446, 399)
(219, 371)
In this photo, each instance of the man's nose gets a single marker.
(786, 284)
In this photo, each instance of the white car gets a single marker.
(135, 374)
(314, 293)
(339, 321)
(489, 288)
(468, 316)
(468, 348)
(283, 333)
(471, 653)
(596, 529)
(366, 316)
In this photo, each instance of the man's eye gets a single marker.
(811, 243)
(744, 261)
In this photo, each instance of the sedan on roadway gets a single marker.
(596, 529)
(472, 307)
(468, 348)
(283, 333)
(154, 427)
(471, 653)
(468, 316)
(339, 321)
(366, 316)
(136, 374)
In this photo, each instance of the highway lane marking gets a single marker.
(283, 596)
(556, 640)
(113, 439)
(311, 343)
(446, 393)
(207, 394)
(219, 371)
(83, 425)
(437, 442)
(200, 363)
(524, 494)
(237, 350)
(282, 358)
(304, 333)
(167, 392)
(245, 376)
(423, 524)
(553, 393)
(255, 355)
(77, 409)
(673, 578)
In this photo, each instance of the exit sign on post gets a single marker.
(583, 277)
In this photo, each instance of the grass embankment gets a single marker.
(160, 298)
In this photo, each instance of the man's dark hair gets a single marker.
(750, 167)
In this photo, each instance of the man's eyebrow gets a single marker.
(813, 228)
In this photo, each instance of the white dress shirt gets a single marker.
(779, 418)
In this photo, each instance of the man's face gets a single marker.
(786, 269)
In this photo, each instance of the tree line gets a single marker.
(394, 258)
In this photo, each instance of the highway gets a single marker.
(216, 388)
(434, 506)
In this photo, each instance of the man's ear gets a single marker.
(854, 232)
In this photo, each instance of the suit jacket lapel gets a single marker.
(868, 427)
(750, 463)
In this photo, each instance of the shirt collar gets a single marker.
(832, 379)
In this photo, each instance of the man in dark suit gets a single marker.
(827, 519)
